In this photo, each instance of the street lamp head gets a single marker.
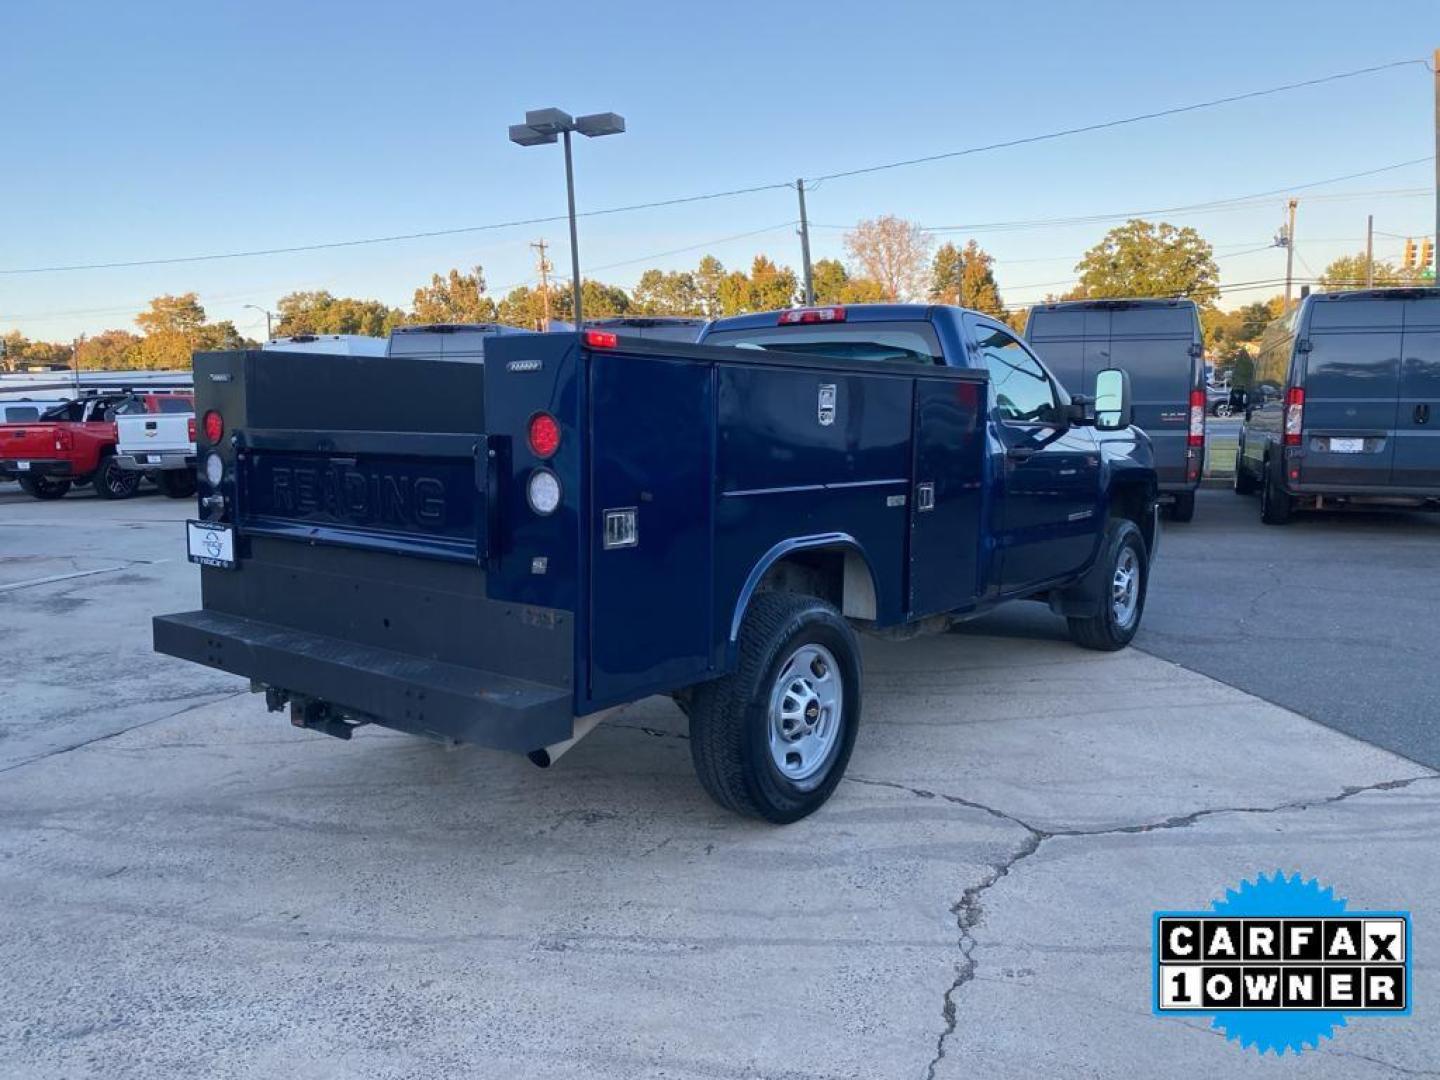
(550, 121)
(605, 123)
(525, 135)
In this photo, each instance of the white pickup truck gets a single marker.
(160, 444)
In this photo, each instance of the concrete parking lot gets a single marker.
(194, 888)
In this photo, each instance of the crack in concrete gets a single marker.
(968, 910)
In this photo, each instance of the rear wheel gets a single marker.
(772, 739)
(1124, 574)
(1245, 484)
(1277, 506)
(113, 482)
(1183, 508)
(1223, 409)
(42, 487)
(177, 483)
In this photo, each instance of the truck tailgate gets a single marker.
(26, 441)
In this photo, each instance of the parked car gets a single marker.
(1222, 402)
(74, 443)
(505, 551)
(160, 445)
(1159, 343)
(25, 410)
(1356, 422)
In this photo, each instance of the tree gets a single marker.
(321, 313)
(892, 251)
(109, 350)
(527, 307)
(21, 352)
(673, 293)
(771, 286)
(1144, 259)
(834, 285)
(967, 278)
(1348, 272)
(455, 298)
(175, 328)
(599, 301)
(708, 277)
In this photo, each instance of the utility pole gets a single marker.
(544, 268)
(1370, 251)
(1290, 252)
(805, 243)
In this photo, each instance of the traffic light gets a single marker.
(1427, 252)
(1409, 260)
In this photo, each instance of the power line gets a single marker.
(1175, 111)
(681, 200)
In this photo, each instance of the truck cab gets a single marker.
(521, 544)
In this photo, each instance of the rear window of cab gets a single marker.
(908, 342)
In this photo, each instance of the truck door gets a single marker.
(1416, 462)
(1352, 382)
(945, 515)
(1049, 495)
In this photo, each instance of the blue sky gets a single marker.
(151, 130)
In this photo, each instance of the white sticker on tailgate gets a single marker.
(210, 545)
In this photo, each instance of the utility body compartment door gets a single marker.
(948, 501)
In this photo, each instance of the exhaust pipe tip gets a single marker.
(548, 755)
(541, 758)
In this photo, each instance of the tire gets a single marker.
(1114, 626)
(793, 648)
(1183, 508)
(1222, 410)
(113, 482)
(1244, 483)
(42, 487)
(177, 483)
(1277, 506)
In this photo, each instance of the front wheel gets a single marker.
(772, 739)
(1124, 572)
(42, 487)
(113, 482)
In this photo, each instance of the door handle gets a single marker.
(1422, 414)
(1020, 453)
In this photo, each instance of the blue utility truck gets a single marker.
(511, 548)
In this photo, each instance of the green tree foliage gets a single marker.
(527, 307)
(767, 287)
(966, 277)
(1141, 258)
(21, 352)
(1348, 272)
(109, 350)
(672, 293)
(454, 298)
(892, 251)
(174, 328)
(601, 301)
(834, 285)
(708, 277)
(321, 313)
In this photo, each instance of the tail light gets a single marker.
(812, 315)
(1294, 415)
(190, 429)
(543, 435)
(601, 339)
(1196, 434)
(64, 440)
(214, 427)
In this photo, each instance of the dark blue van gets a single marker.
(1159, 343)
(1356, 420)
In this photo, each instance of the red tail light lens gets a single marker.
(190, 429)
(64, 440)
(543, 435)
(1294, 415)
(812, 315)
(1196, 435)
(214, 426)
(601, 339)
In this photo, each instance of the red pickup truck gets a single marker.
(74, 443)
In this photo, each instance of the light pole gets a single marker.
(256, 307)
(544, 126)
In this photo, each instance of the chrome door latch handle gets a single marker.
(925, 497)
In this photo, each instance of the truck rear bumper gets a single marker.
(56, 470)
(164, 460)
(408, 693)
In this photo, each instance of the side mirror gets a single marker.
(1112, 400)
(1079, 412)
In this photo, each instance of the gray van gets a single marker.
(1357, 420)
(1159, 343)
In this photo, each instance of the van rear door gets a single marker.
(1352, 380)
(1415, 465)
(1153, 342)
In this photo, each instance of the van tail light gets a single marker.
(190, 429)
(64, 440)
(1294, 415)
(1196, 435)
(797, 316)
(214, 427)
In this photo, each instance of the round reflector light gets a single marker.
(214, 426)
(214, 469)
(543, 435)
(543, 491)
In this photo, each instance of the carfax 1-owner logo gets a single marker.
(1280, 963)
